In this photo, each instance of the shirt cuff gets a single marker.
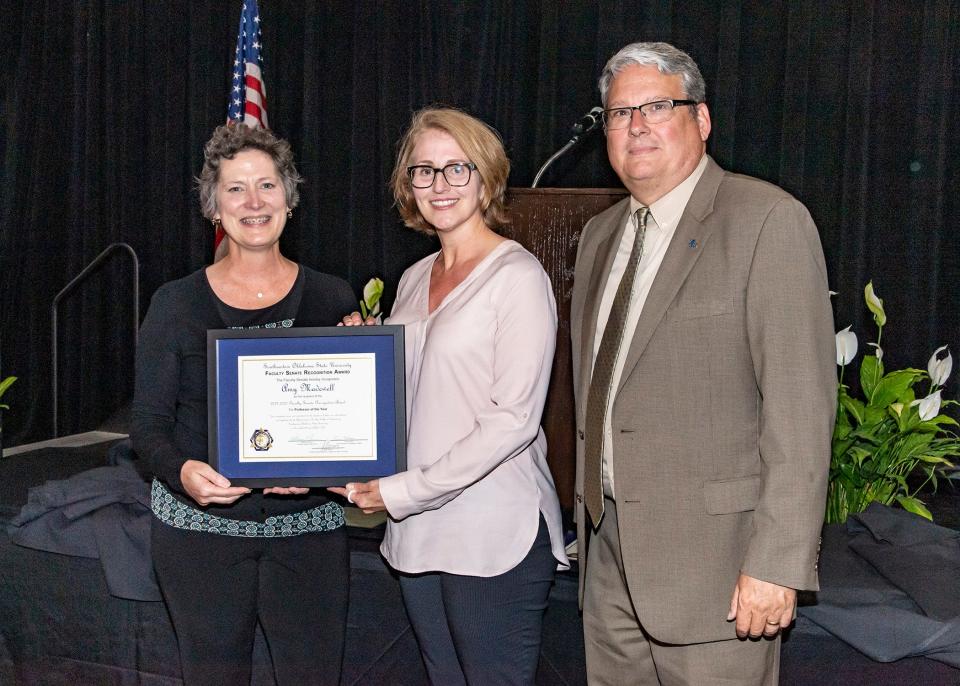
(396, 495)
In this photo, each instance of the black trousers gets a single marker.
(483, 631)
(217, 587)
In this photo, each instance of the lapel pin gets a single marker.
(693, 243)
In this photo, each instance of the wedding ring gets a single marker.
(772, 623)
(350, 495)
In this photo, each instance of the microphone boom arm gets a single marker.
(553, 158)
(580, 130)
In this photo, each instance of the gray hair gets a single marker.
(229, 139)
(663, 56)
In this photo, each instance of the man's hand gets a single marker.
(207, 486)
(761, 608)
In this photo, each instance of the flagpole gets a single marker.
(247, 99)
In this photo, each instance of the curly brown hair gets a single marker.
(482, 146)
(229, 139)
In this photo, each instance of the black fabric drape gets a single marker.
(887, 586)
(849, 105)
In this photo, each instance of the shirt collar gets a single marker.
(667, 210)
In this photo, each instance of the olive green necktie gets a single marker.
(600, 389)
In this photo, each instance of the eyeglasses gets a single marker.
(655, 112)
(456, 174)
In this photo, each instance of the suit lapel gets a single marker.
(677, 263)
(602, 262)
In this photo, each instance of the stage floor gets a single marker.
(39, 643)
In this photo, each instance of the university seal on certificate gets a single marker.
(261, 439)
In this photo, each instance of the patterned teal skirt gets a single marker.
(175, 513)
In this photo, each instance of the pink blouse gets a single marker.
(477, 371)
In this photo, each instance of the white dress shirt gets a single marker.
(662, 223)
(477, 371)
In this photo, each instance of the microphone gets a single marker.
(585, 125)
(587, 122)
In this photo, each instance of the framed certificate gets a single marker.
(306, 407)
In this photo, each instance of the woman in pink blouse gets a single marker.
(474, 527)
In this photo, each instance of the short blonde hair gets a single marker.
(482, 146)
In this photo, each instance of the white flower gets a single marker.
(929, 406)
(875, 305)
(939, 369)
(846, 346)
(879, 352)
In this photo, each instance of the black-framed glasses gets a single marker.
(655, 112)
(456, 174)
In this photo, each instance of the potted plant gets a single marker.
(888, 444)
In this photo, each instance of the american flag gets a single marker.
(248, 96)
(247, 103)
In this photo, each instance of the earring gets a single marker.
(289, 214)
(216, 223)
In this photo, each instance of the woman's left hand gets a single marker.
(286, 490)
(365, 496)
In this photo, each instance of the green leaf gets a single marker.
(840, 448)
(859, 455)
(899, 413)
(867, 434)
(914, 443)
(855, 479)
(871, 371)
(908, 396)
(942, 419)
(931, 459)
(927, 427)
(842, 427)
(942, 448)
(892, 386)
(873, 416)
(852, 405)
(841, 430)
(909, 420)
(911, 504)
(6, 383)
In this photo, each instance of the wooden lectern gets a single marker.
(547, 222)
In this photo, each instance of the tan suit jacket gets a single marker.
(723, 416)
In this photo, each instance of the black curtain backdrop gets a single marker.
(851, 106)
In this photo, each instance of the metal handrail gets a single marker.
(69, 287)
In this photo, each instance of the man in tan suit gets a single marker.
(705, 388)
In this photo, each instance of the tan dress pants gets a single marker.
(620, 652)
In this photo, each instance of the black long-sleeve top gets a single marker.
(170, 400)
